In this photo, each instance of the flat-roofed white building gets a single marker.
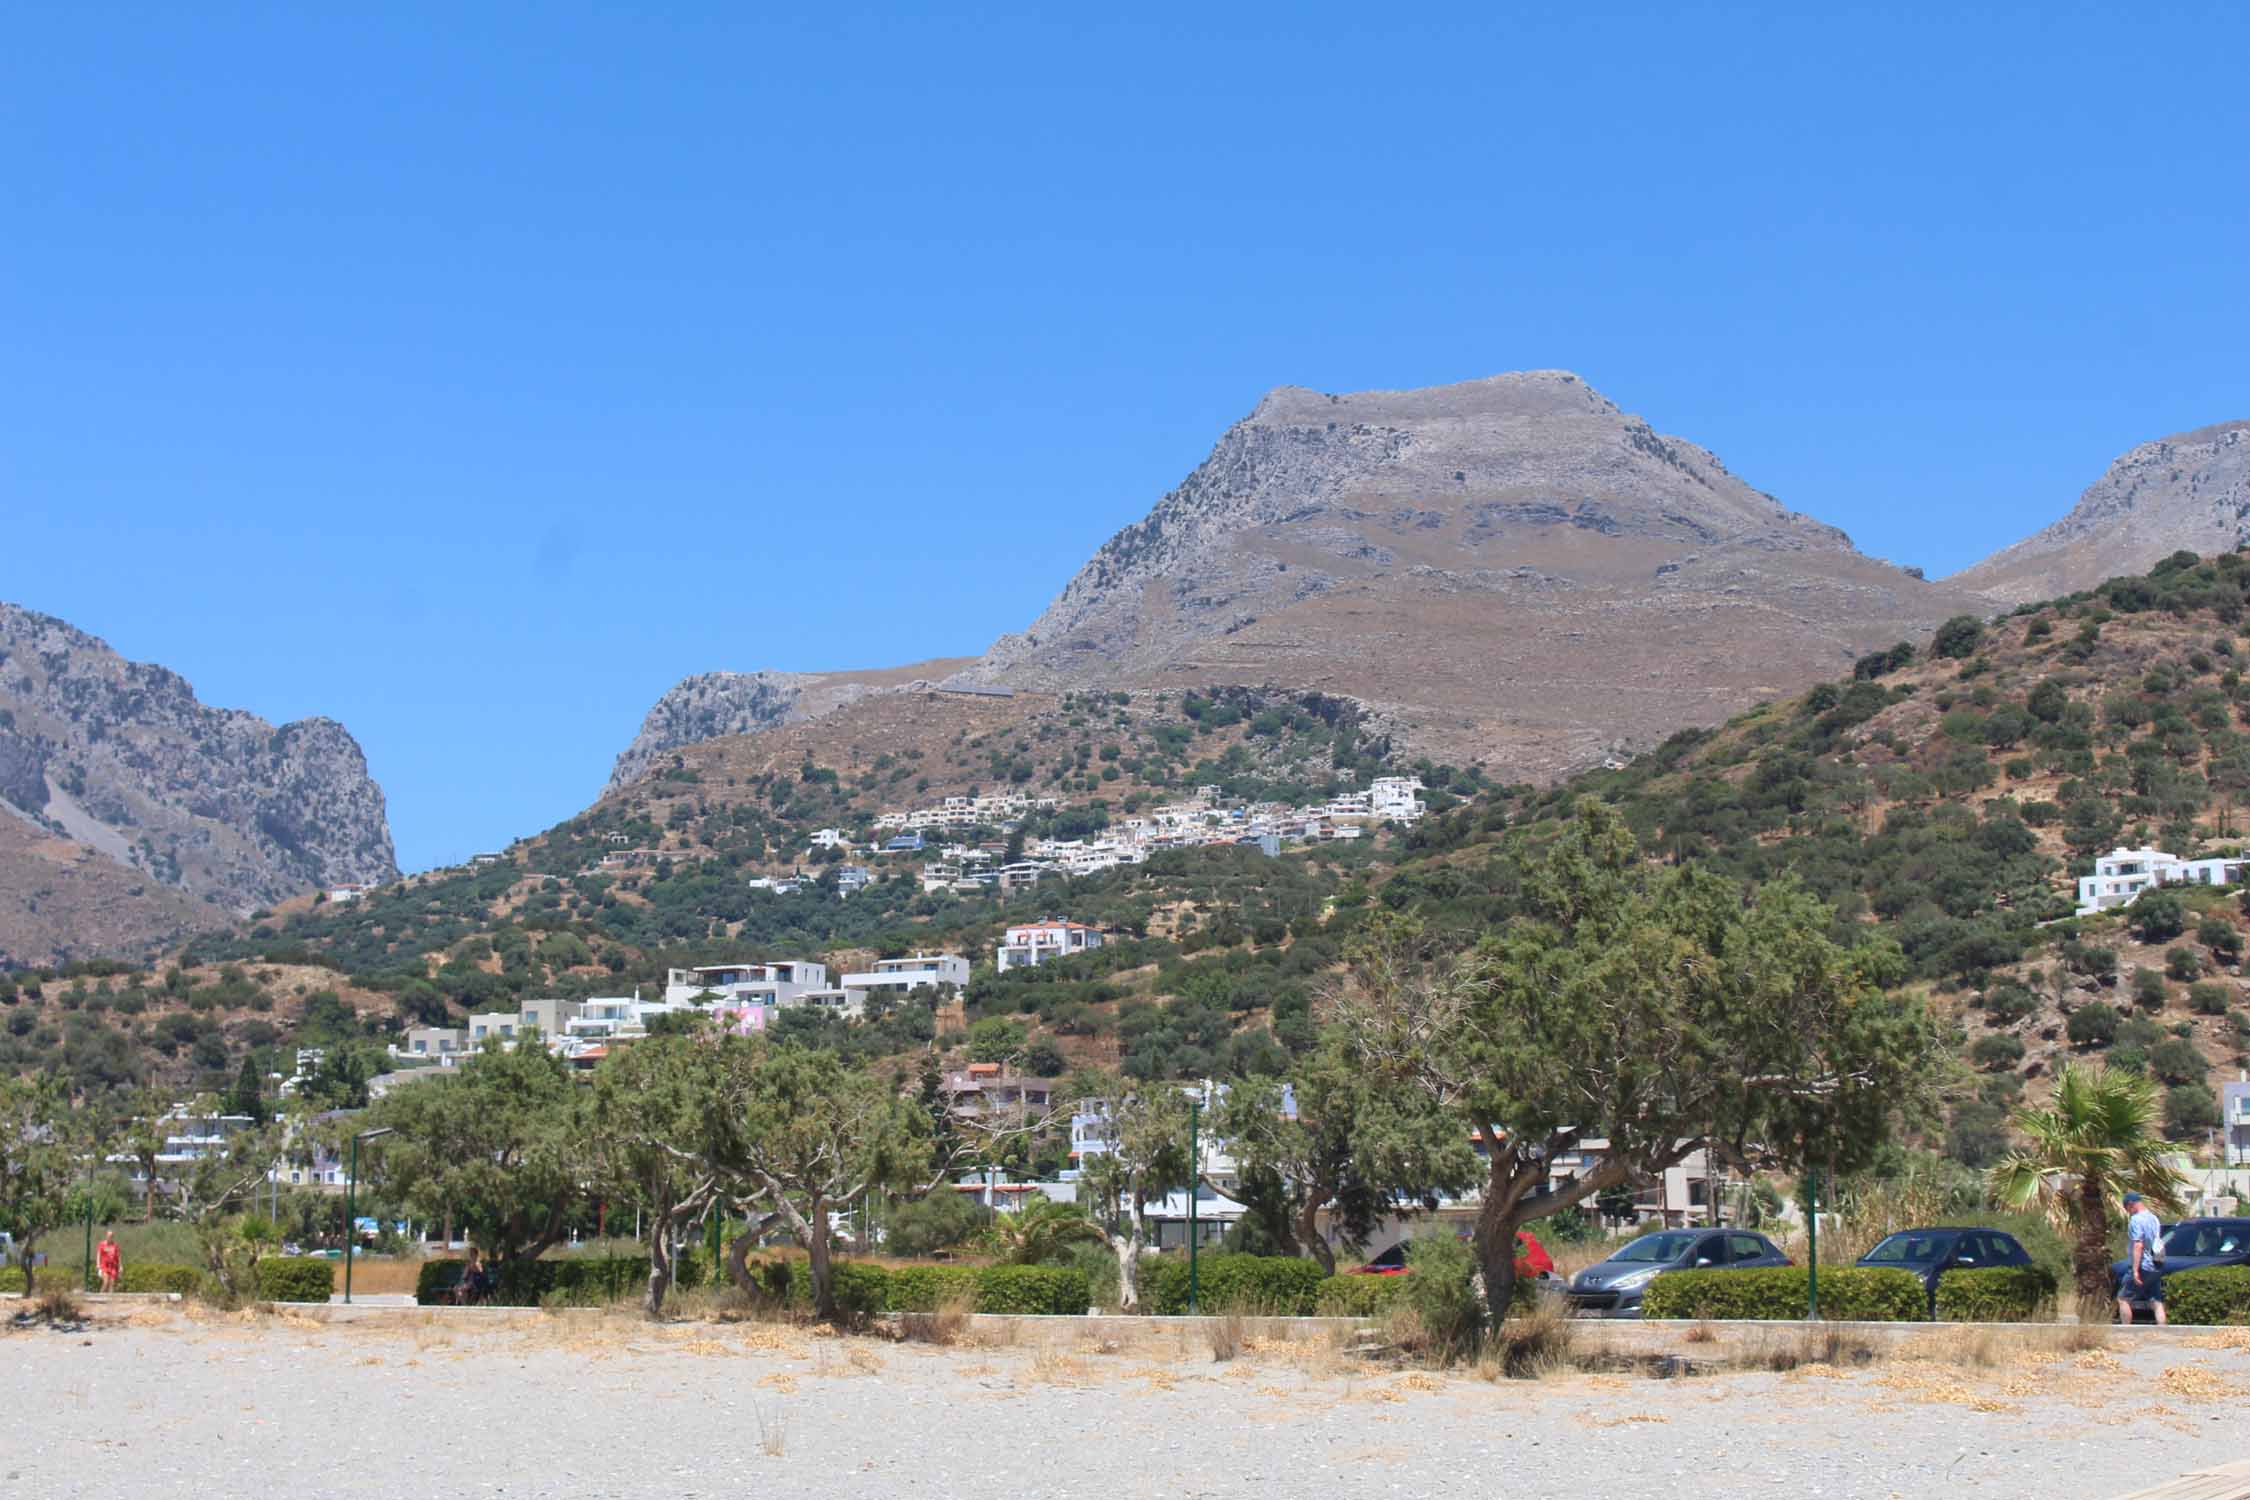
(1037, 942)
(766, 984)
(2122, 874)
(898, 975)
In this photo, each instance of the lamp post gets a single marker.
(1195, 1174)
(351, 1204)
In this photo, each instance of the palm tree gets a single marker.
(1038, 1232)
(2097, 1141)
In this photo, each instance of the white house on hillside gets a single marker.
(903, 974)
(756, 984)
(2122, 874)
(1036, 942)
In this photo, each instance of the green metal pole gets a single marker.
(1812, 1241)
(89, 1237)
(351, 1209)
(1195, 1174)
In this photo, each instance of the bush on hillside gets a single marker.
(2092, 1025)
(2157, 916)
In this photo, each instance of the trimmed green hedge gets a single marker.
(295, 1278)
(151, 1276)
(155, 1276)
(928, 1288)
(1268, 1285)
(1848, 1294)
(581, 1280)
(1994, 1294)
(2215, 1294)
(1358, 1296)
(1060, 1291)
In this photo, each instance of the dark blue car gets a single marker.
(2193, 1244)
(1930, 1253)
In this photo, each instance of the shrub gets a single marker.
(582, 1280)
(2093, 1025)
(928, 1288)
(2149, 989)
(2157, 917)
(1994, 1294)
(153, 1276)
(2210, 998)
(2183, 963)
(295, 1278)
(1958, 637)
(2215, 1294)
(2219, 935)
(1441, 1292)
(1997, 1050)
(2008, 1003)
(1853, 1294)
(2174, 1061)
(1276, 1285)
(1061, 1291)
(2189, 1110)
(1358, 1296)
(862, 1290)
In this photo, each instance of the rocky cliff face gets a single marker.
(1512, 569)
(714, 704)
(2187, 492)
(108, 758)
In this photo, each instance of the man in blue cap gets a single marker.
(2143, 1280)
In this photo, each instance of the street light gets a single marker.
(351, 1204)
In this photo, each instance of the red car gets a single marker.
(1532, 1259)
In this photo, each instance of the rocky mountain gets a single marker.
(1510, 570)
(136, 813)
(711, 705)
(2188, 492)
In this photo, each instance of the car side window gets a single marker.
(1713, 1249)
(1745, 1247)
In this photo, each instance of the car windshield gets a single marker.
(1909, 1247)
(1650, 1248)
(2227, 1237)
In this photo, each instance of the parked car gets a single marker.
(2193, 1244)
(1532, 1259)
(1930, 1253)
(1613, 1288)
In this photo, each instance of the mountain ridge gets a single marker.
(216, 806)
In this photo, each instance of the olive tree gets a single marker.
(37, 1163)
(1145, 1156)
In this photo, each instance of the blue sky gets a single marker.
(472, 372)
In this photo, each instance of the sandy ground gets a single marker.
(258, 1405)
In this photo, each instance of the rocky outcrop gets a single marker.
(710, 705)
(215, 805)
(2189, 492)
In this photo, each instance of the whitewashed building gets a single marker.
(2122, 874)
(1037, 942)
(755, 984)
(898, 975)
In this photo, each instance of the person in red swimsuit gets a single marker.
(109, 1260)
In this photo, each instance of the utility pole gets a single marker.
(1812, 1243)
(351, 1206)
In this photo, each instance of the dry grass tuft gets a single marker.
(773, 1427)
(1228, 1333)
(1828, 1345)
(57, 1303)
(1701, 1333)
(1534, 1344)
(2197, 1383)
(2221, 1338)
(1053, 1367)
(943, 1327)
(1419, 1380)
(781, 1381)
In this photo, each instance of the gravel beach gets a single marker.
(168, 1404)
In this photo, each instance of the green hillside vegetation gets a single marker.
(1943, 792)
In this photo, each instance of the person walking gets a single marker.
(109, 1261)
(2143, 1280)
